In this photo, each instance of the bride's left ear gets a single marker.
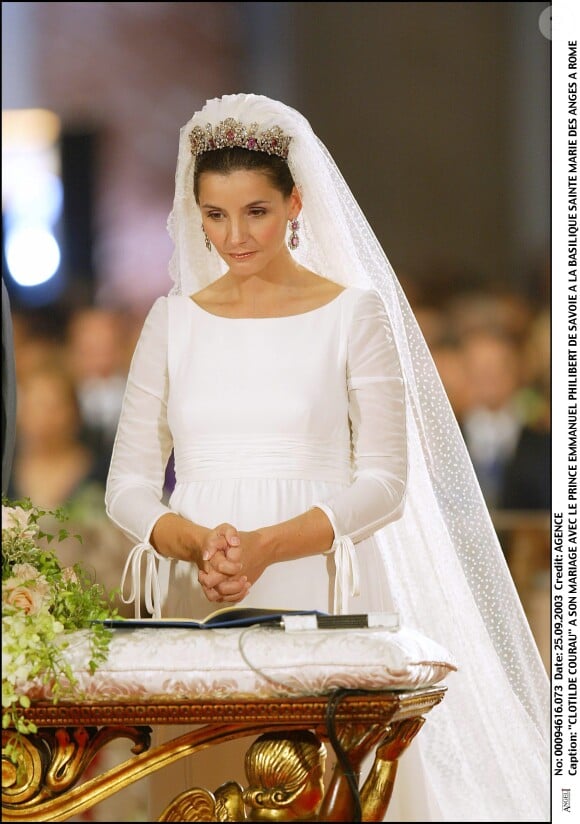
(295, 204)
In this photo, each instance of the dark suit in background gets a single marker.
(8, 391)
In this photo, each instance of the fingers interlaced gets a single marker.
(221, 577)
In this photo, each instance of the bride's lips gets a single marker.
(241, 255)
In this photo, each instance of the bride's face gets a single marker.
(246, 218)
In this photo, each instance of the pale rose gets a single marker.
(14, 516)
(29, 599)
(31, 587)
(28, 575)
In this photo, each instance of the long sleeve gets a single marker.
(378, 427)
(143, 443)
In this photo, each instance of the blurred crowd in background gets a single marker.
(492, 350)
(493, 353)
(71, 370)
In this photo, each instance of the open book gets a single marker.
(288, 619)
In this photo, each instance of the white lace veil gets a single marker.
(486, 747)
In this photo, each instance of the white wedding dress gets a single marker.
(267, 418)
(258, 413)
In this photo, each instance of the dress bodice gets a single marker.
(263, 397)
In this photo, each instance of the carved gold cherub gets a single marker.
(285, 772)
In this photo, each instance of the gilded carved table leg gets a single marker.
(285, 773)
(26, 795)
(339, 803)
(50, 762)
(47, 784)
(378, 787)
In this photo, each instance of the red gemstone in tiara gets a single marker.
(231, 132)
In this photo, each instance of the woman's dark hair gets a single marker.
(235, 159)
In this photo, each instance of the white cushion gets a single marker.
(256, 662)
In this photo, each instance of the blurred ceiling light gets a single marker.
(29, 150)
(32, 255)
(32, 197)
(29, 129)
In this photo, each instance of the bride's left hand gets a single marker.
(223, 579)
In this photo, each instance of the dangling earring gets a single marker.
(207, 240)
(294, 240)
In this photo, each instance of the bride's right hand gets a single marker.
(220, 574)
(174, 536)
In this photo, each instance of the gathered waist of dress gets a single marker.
(262, 457)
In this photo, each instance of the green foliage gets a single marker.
(42, 604)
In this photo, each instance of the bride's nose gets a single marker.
(238, 231)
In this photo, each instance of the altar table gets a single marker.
(362, 693)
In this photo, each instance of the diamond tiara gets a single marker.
(231, 132)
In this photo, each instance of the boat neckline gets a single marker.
(272, 317)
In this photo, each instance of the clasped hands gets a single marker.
(231, 562)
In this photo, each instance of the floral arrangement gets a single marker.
(42, 603)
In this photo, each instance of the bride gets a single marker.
(318, 462)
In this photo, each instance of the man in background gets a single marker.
(8, 391)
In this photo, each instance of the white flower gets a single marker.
(15, 516)
(25, 572)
